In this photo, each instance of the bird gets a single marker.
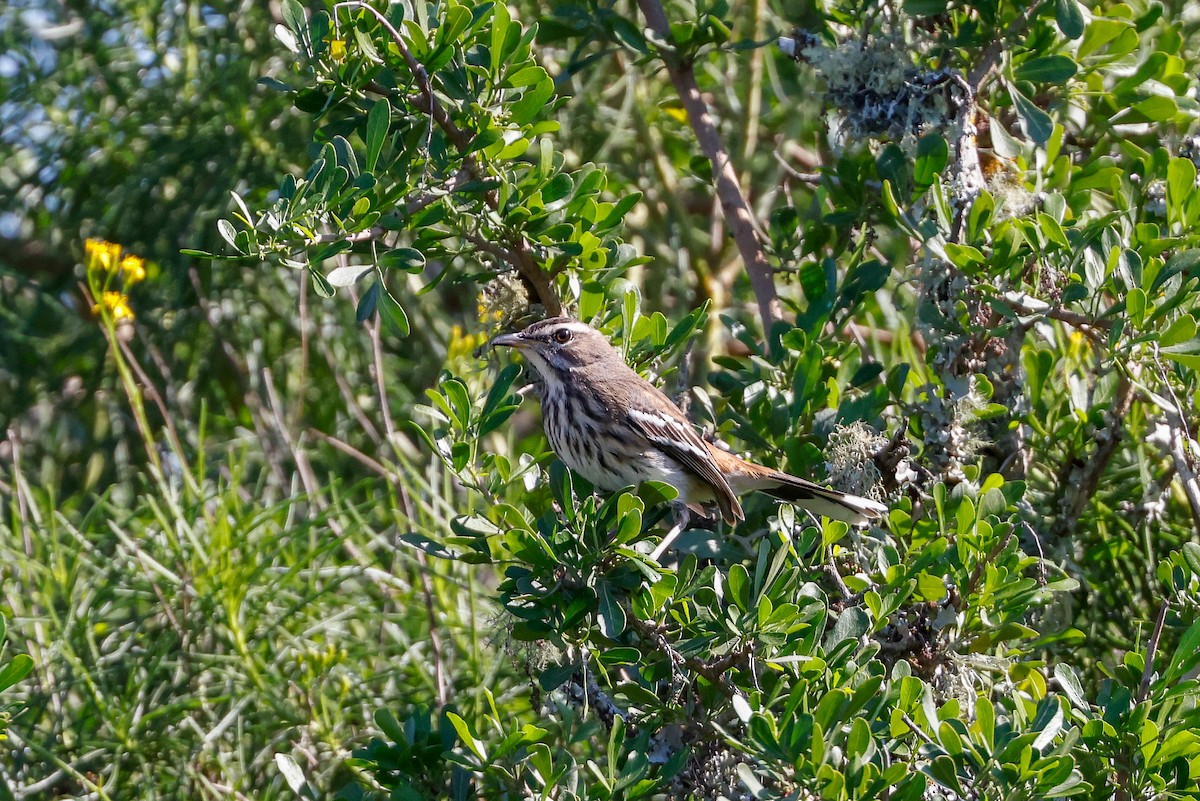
(616, 429)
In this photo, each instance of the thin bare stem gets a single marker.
(1152, 652)
(736, 209)
(366, 235)
(917, 730)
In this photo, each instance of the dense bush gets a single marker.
(943, 255)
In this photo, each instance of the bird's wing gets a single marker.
(669, 430)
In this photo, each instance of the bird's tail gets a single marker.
(747, 477)
(820, 500)
(743, 477)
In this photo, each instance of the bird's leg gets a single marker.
(683, 519)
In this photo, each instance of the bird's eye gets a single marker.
(562, 336)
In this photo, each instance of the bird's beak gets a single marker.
(509, 341)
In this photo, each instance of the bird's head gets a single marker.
(560, 344)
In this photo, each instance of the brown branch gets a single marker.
(1183, 466)
(539, 283)
(1090, 327)
(980, 567)
(813, 178)
(713, 672)
(917, 730)
(416, 204)
(368, 235)
(991, 56)
(733, 203)
(1079, 490)
(488, 246)
(441, 681)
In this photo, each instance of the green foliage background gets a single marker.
(265, 544)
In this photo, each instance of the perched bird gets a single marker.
(614, 428)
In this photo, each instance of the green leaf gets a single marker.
(618, 212)
(1180, 331)
(1049, 723)
(378, 121)
(555, 676)
(1157, 108)
(1181, 184)
(557, 188)
(1051, 230)
(484, 139)
(18, 668)
(964, 257)
(228, 233)
(532, 103)
(655, 493)
(293, 16)
(500, 24)
(392, 312)
(1186, 655)
(985, 721)
(367, 304)
(409, 259)
(1036, 123)
(609, 615)
(932, 156)
(851, 624)
(890, 201)
(1069, 17)
(930, 587)
(1069, 681)
(344, 155)
(468, 737)
(739, 587)
(1135, 305)
(391, 727)
(348, 275)
(627, 33)
(497, 395)
(926, 8)
(1047, 69)
(321, 286)
(526, 76)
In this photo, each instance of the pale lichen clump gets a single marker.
(1007, 186)
(949, 416)
(876, 88)
(850, 459)
(503, 301)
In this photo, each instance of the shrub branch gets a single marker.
(537, 281)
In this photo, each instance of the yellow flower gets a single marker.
(116, 304)
(107, 258)
(133, 269)
(462, 345)
(103, 256)
(337, 50)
